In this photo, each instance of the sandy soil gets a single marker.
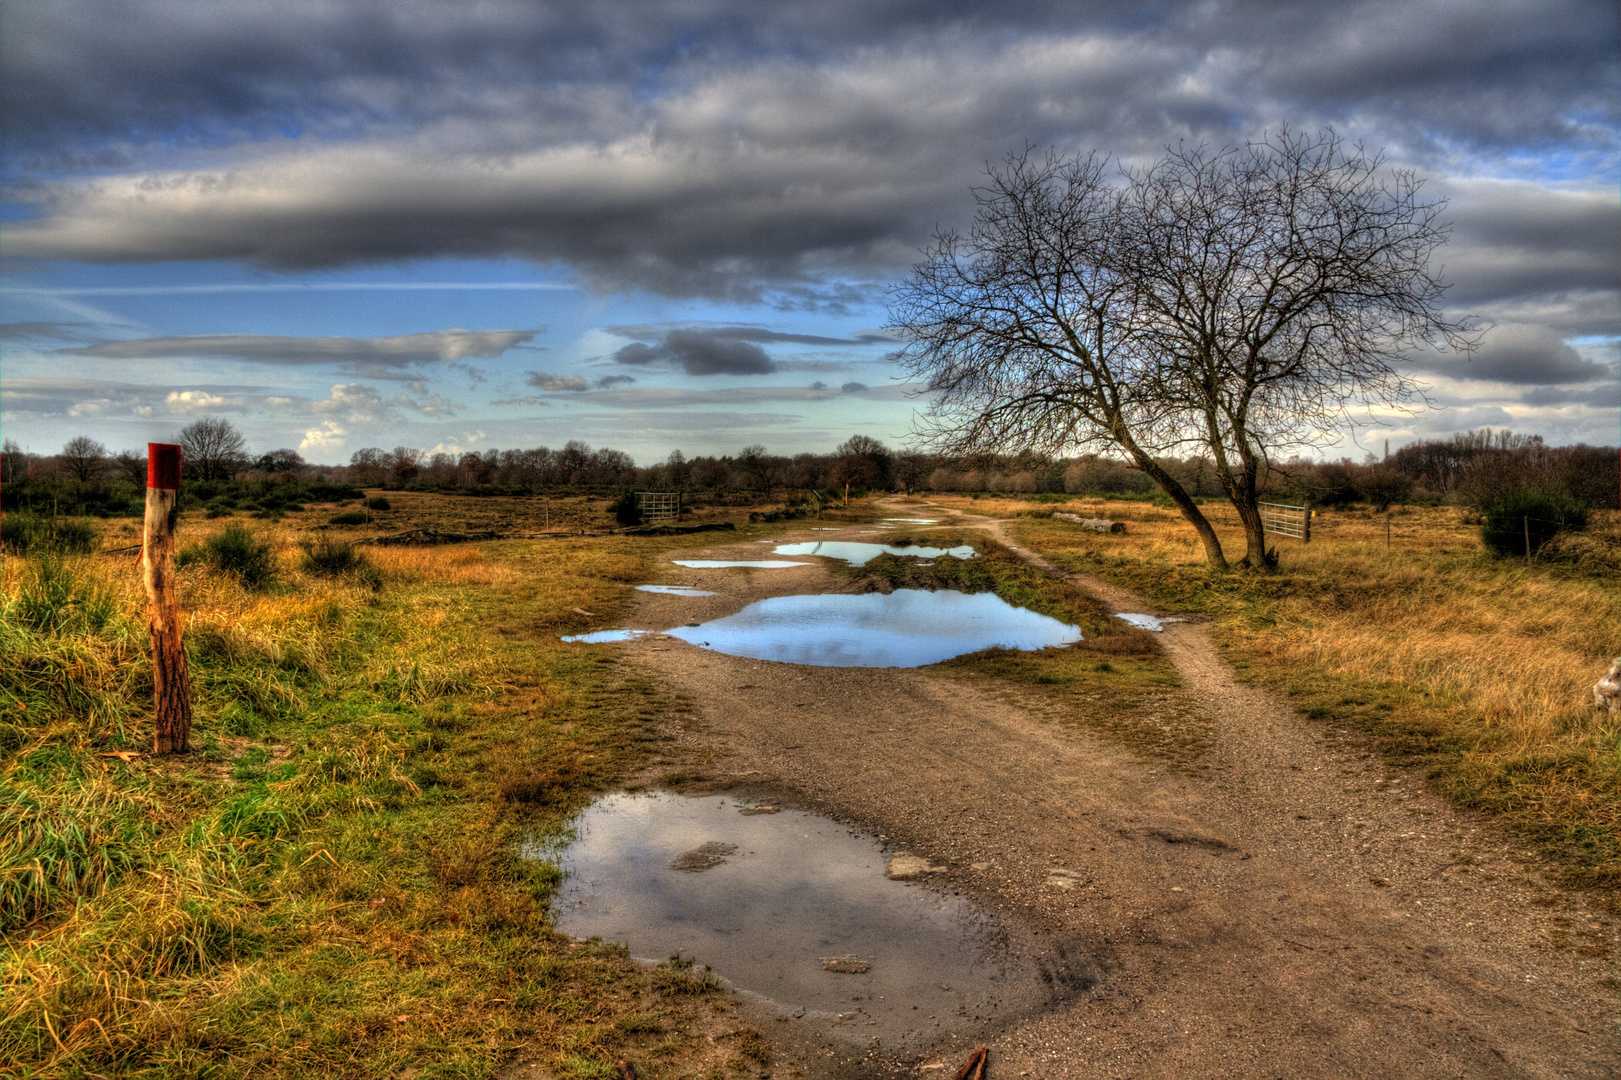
(1297, 908)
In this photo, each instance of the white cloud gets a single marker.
(199, 401)
(328, 436)
(353, 403)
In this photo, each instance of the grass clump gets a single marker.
(235, 550)
(327, 556)
(349, 517)
(376, 502)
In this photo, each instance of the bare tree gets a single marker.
(212, 449)
(912, 468)
(284, 460)
(1237, 304)
(83, 458)
(405, 463)
(131, 465)
(755, 465)
(13, 462)
(862, 461)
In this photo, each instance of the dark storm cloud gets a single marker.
(556, 384)
(721, 150)
(1512, 241)
(1605, 396)
(1523, 355)
(700, 352)
(383, 357)
(756, 334)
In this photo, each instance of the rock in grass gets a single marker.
(1607, 691)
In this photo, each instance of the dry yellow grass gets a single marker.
(1481, 666)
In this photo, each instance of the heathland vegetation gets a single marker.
(328, 885)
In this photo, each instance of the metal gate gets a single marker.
(659, 505)
(1285, 520)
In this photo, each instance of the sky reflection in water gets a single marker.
(907, 628)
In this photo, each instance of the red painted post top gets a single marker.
(163, 466)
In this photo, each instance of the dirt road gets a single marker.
(1297, 908)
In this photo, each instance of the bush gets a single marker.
(25, 534)
(376, 502)
(238, 551)
(627, 509)
(349, 517)
(330, 557)
(1534, 514)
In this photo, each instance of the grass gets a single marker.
(1475, 667)
(328, 886)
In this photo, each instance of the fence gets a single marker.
(659, 505)
(1284, 520)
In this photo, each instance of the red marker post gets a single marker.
(171, 684)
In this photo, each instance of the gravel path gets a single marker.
(1297, 908)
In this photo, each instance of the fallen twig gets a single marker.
(974, 1067)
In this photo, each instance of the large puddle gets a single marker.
(859, 554)
(756, 564)
(796, 911)
(907, 628)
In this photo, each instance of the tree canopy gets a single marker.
(1238, 303)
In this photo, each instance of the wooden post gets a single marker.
(170, 683)
(1305, 516)
(1527, 523)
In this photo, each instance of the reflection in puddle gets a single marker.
(715, 564)
(1149, 622)
(673, 590)
(857, 553)
(597, 637)
(794, 909)
(907, 628)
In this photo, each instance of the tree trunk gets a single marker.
(171, 685)
(1184, 502)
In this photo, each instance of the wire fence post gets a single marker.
(171, 686)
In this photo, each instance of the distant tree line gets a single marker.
(1480, 469)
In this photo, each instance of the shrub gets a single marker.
(349, 517)
(376, 502)
(242, 553)
(331, 557)
(627, 509)
(25, 534)
(1534, 514)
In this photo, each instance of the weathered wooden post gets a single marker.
(171, 686)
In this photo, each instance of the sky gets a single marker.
(662, 226)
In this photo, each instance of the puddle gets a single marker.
(674, 590)
(796, 912)
(916, 521)
(1149, 622)
(716, 564)
(597, 637)
(857, 553)
(907, 628)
